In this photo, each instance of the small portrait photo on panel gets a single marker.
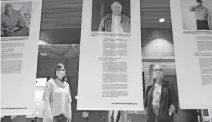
(196, 15)
(15, 19)
(111, 16)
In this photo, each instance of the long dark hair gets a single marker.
(58, 67)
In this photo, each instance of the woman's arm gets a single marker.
(69, 105)
(46, 99)
(174, 97)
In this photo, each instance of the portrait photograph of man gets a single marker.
(196, 15)
(111, 16)
(15, 19)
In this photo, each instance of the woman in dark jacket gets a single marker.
(161, 98)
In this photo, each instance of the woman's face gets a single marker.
(60, 73)
(158, 72)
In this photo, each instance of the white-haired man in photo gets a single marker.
(115, 22)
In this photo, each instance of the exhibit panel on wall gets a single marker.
(192, 35)
(110, 66)
(20, 28)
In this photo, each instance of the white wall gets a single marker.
(189, 20)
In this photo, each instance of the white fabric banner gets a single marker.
(110, 68)
(20, 28)
(192, 33)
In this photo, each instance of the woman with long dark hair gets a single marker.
(57, 97)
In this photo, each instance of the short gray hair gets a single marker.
(157, 65)
(7, 6)
(115, 3)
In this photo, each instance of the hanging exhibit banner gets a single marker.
(20, 28)
(192, 32)
(110, 66)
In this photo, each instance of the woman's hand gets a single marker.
(69, 119)
(171, 109)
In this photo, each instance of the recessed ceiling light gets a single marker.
(43, 54)
(162, 20)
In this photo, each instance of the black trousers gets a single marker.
(154, 118)
(60, 118)
(202, 25)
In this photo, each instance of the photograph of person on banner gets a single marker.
(161, 99)
(196, 14)
(57, 97)
(115, 22)
(203, 18)
(114, 16)
(15, 19)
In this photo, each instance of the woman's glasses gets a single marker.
(158, 70)
(61, 70)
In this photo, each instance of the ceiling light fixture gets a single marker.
(162, 20)
(43, 54)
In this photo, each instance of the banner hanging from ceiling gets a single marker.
(192, 33)
(20, 28)
(110, 67)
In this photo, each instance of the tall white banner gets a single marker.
(110, 67)
(192, 32)
(20, 28)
